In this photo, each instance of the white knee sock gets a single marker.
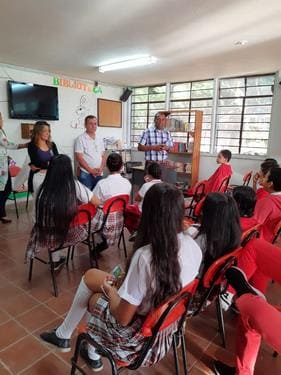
(92, 353)
(75, 314)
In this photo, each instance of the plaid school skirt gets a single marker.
(74, 236)
(125, 343)
(113, 226)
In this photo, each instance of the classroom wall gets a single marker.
(74, 105)
(65, 131)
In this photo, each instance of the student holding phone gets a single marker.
(165, 259)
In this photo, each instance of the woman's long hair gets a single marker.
(220, 224)
(36, 133)
(56, 203)
(161, 221)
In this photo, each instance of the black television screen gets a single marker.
(30, 101)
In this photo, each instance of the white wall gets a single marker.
(63, 131)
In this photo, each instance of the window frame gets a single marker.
(242, 113)
(214, 110)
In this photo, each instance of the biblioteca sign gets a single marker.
(73, 84)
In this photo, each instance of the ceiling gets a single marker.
(193, 39)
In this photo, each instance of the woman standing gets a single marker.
(5, 178)
(41, 150)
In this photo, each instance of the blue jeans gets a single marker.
(88, 179)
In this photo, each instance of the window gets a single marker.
(146, 101)
(198, 96)
(243, 114)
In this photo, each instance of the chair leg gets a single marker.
(75, 357)
(30, 269)
(68, 254)
(183, 349)
(176, 358)
(72, 252)
(93, 253)
(124, 243)
(119, 241)
(16, 206)
(53, 273)
(220, 320)
(26, 203)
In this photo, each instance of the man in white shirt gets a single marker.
(89, 153)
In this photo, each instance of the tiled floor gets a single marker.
(26, 309)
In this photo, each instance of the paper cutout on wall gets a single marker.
(82, 110)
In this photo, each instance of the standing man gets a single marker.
(156, 141)
(89, 153)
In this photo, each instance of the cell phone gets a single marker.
(117, 271)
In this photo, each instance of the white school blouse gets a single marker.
(137, 288)
(112, 185)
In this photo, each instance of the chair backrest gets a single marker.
(249, 234)
(198, 207)
(115, 204)
(169, 312)
(277, 231)
(215, 273)
(247, 178)
(199, 191)
(84, 215)
(14, 170)
(224, 185)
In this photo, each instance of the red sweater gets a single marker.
(247, 223)
(261, 193)
(268, 213)
(214, 182)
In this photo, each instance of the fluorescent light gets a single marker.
(131, 63)
(240, 42)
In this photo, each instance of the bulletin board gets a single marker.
(109, 113)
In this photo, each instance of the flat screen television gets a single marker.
(30, 101)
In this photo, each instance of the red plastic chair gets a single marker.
(277, 233)
(171, 311)
(112, 205)
(250, 233)
(214, 284)
(224, 185)
(14, 171)
(196, 198)
(247, 178)
(85, 213)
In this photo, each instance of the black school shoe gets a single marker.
(101, 246)
(222, 369)
(51, 338)
(94, 364)
(59, 264)
(238, 280)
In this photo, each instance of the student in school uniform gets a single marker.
(223, 171)
(245, 198)
(268, 210)
(52, 226)
(258, 178)
(133, 211)
(114, 184)
(165, 260)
